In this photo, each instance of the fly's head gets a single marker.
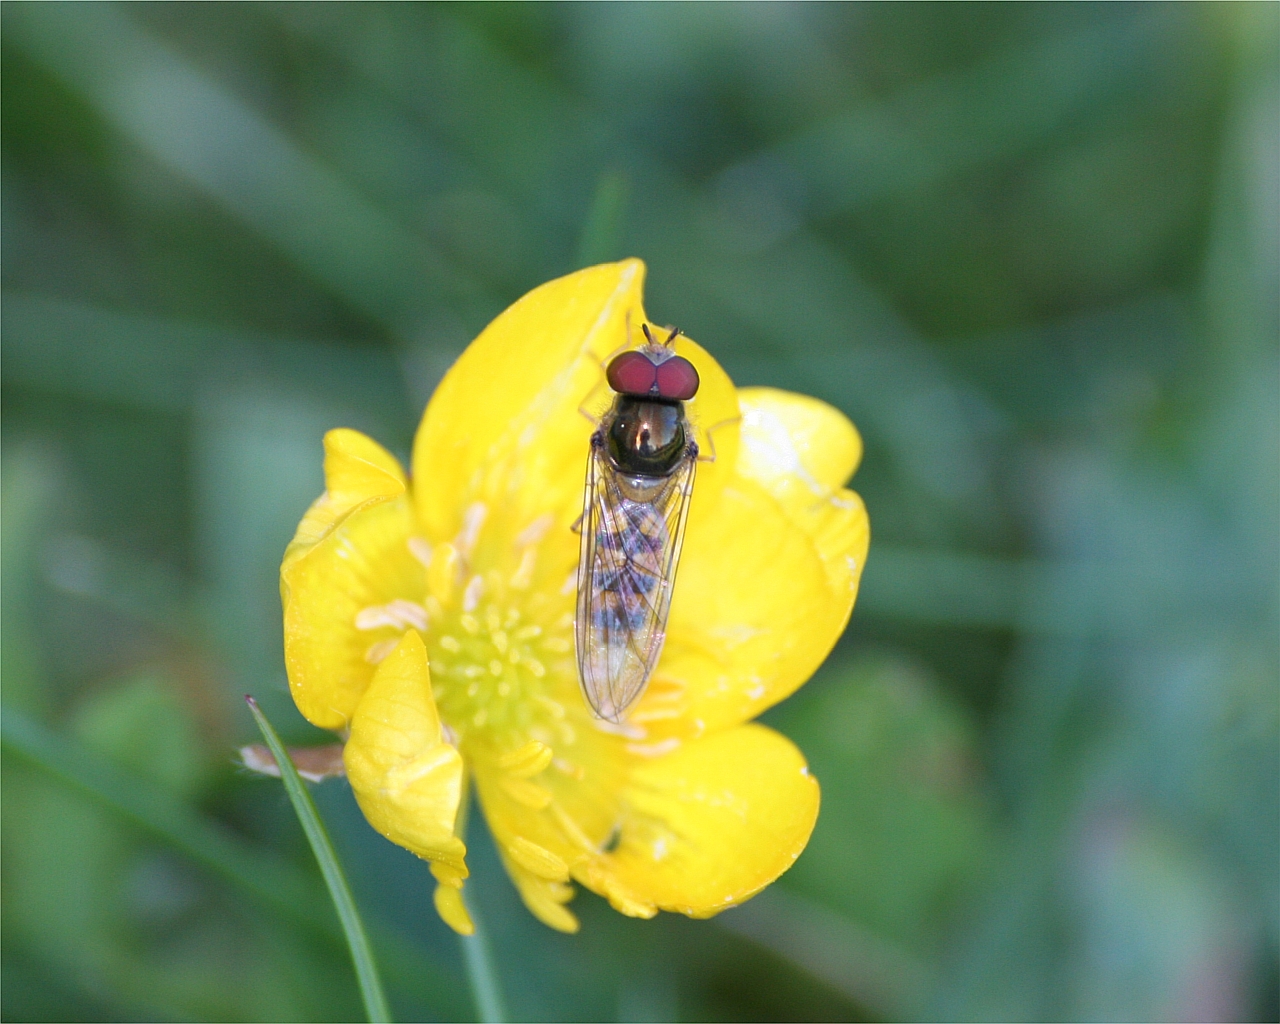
(645, 431)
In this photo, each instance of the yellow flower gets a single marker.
(432, 623)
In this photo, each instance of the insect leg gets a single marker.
(711, 443)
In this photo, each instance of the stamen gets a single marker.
(471, 596)
(525, 792)
(528, 632)
(375, 617)
(554, 707)
(500, 641)
(537, 669)
(538, 860)
(625, 729)
(572, 830)
(536, 530)
(654, 749)
(443, 574)
(470, 623)
(420, 548)
(409, 613)
(526, 761)
(472, 521)
(398, 614)
(495, 667)
(574, 771)
(658, 714)
(556, 644)
(378, 652)
(523, 575)
(450, 644)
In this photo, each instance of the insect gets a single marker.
(639, 479)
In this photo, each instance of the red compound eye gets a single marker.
(677, 379)
(632, 373)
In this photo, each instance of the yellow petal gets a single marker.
(755, 612)
(452, 909)
(362, 563)
(709, 825)
(356, 469)
(801, 449)
(407, 780)
(506, 428)
(582, 786)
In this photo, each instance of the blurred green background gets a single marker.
(1030, 250)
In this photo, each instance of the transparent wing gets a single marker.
(631, 540)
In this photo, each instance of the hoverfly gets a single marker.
(639, 479)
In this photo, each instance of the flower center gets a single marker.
(499, 638)
(490, 658)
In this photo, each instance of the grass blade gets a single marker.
(375, 1000)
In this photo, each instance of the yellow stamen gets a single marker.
(443, 574)
(527, 761)
(525, 792)
(420, 548)
(538, 860)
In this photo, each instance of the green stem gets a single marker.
(485, 990)
(480, 972)
(375, 1000)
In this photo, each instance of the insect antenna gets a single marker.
(662, 349)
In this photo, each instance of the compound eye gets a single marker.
(677, 379)
(632, 373)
